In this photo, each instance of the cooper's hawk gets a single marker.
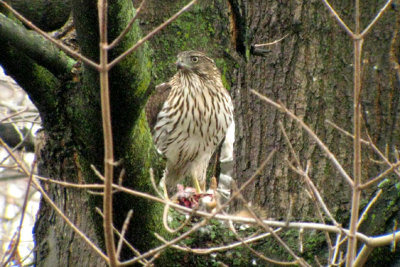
(193, 120)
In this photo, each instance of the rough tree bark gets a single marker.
(309, 71)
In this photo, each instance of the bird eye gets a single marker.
(195, 59)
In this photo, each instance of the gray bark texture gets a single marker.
(309, 71)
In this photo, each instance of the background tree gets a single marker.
(309, 70)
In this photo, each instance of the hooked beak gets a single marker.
(180, 65)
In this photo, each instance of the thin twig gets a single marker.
(376, 149)
(364, 214)
(324, 148)
(58, 43)
(201, 223)
(149, 263)
(307, 179)
(165, 220)
(328, 238)
(272, 43)
(380, 176)
(377, 17)
(294, 154)
(123, 231)
(338, 18)
(151, 34)
(315, 193)
(305, 225)
(14, 114)
(362, 256)
(67, 184)
(134, 250)
(127, 28)
(52, 204)
(337, 247)
(97, 172)
(258, 254)
(23, 210)
(153, 183)
(205, 251)
(107, 136)
(267, 228)
(344, 131)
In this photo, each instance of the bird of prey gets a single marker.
(193, 120)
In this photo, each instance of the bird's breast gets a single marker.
(193, 122)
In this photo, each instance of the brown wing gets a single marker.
(155, 103)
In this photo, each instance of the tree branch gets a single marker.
(41, 85)
(39, 49)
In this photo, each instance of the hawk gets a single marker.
(193, 120)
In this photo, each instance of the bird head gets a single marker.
(195, 61)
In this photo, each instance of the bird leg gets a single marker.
(203, 186)
(197, 185)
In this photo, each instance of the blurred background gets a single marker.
(19, 122)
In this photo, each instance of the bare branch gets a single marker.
(53, 205)
(376, 149)
(128, 27)
(271, 43)
(267, 228)
(13, 114)
(338, 18)
(107, 136)
(258, 254)
(298, 225)
(380, 176)
(315, 193)
(356, 196)
(364, 214)
(150, 35)
(123, 231)
(362, 256)
(48, 37)
(344, 131)
(337, 246)
(134, 250)
(310, 132)
(304, 174)
(153, 183)
(204, 251)
(294, 154)
(377, 17)
(165, 220)
(200, 224)
(23, 209)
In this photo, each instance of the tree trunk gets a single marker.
(309, 71)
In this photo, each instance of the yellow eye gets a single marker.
(195, 59)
